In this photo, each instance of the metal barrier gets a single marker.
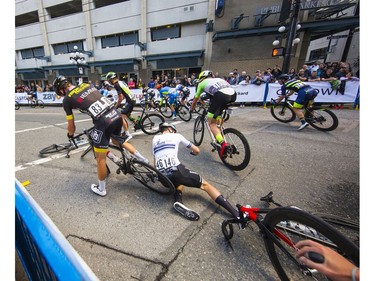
(43, 250)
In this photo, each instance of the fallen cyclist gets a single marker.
(165, 149)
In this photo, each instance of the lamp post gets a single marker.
(79, 59)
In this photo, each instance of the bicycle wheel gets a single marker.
(54, 148)
(283, 113)
(17, 105)
(32, 104)
(150, 123)
(297, 225)
(198, 132)
(322, 119)
(238, 153)
(166, 110)
(183, 112)
(151, 177)
(40, 103)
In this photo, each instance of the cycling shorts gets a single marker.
(108, 124)
(304, 95)
(128, 108)
(180, 175)
(218, 103)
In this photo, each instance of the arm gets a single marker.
(71, 125)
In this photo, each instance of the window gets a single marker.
(165, 32)
(318, 54)
(103, 3)
(68, 8)
(122, 39)
(37, 52)
(27, 18)
(65, 48)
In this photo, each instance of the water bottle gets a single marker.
(138, 119)
(113, 157)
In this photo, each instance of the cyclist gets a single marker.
(107, 122)
(220, 93)
(184, 92)
(305, 94)
(169, 94)
(165, 149)
(123, 91)
(31, 96)
(149, 94)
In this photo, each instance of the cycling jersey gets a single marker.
(122, 87)
(304, 92)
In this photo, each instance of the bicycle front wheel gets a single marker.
(283, 113)
(321, 119)
(17, 105)
(151, 177)
(54, 148)
(198, 132)
(238, 153)
(166, 110)
(295, 224)
(183, 112)
(40, 103)
(150, 123)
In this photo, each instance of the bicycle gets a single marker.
(182, 110)
(74, 143)
(318, 117)
(282, 227)
(34, 102)
(164, 107)
(148, 122)
(238, 153)
(17, 105)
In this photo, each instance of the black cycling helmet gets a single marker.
(165, 125)
(284, 77)
(58, 83)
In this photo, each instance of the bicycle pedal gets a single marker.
(118, 171)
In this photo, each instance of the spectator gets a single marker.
(276, 72)
(189, 82)
(140, 84)
(314, 66)
(97, 85)
(321, 70)
(151, 84)
(305, 67)
(328, 76)
(314, 76)
(267, 76)
(246, 81)
(131, 84)
(344, 69)
(232, 79)
(258, 78)
(292, 73)
(241, 77)
(217, 75)
(33, 87)
(301, 75)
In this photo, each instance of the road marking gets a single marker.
(50, 126)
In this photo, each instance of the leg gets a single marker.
(129, 147)
(100, 155)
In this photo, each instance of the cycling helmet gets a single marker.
(165, 125)
(110, 75)
(145, 89)
(204, 74)
(107, 84)
(196, 81)
(284, 77)
(179, 87)
(58, 83)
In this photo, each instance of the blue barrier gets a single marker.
(43, 250)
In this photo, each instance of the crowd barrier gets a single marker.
(43, 250)
(246, 93)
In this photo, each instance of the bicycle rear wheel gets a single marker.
(40, 103)
(183, 112)
(17, 105)
(54, 148)
(151, 177)
(198, 132)
(321, 119)
(297, 225)
(150, 123)
(283, 113)
(166, 110)
(238, 152)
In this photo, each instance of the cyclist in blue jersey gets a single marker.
(305, 94)
(169, 94)
(221, 94)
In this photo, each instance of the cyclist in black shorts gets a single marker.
(184, 92)
(123, 92)
(165, 149)
(107, 122)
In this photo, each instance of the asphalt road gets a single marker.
(134, 233)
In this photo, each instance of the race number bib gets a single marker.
(166, 162)
(100, 106)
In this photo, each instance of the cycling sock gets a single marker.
(225, 204)
(219, 138)
(303, 121)
(101, 185)
(178, 196)
(139, 156)
(127, 133)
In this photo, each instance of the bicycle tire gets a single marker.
(183, 112)
(17, 106)
(32, 104)
(40, 103)
(322, 119)
(165, 110)
(151, 177)
(238, 154)
(283, 113)
(299, 225)
(198, 132)
(54, 148)
(150, 123)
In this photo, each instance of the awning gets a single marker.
(115, 65)
(196, 54)
(28, 70)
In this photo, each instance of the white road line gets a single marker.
(50, 126)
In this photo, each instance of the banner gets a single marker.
(347, 92)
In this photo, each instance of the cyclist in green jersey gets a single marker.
(220, 94)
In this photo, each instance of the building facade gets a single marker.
(145, 38)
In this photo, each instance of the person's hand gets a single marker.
(334, 266)
(192, 153)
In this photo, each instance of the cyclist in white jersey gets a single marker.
(165, 149)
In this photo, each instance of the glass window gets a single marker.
(165, 32)
(38, 52)
(68, 47)
(32, 53)
(112, 41)
(72, 44)
(60, 49)
(71, 7)
(28, 18)
(103, 3)
(129, 38)
(318, 54)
